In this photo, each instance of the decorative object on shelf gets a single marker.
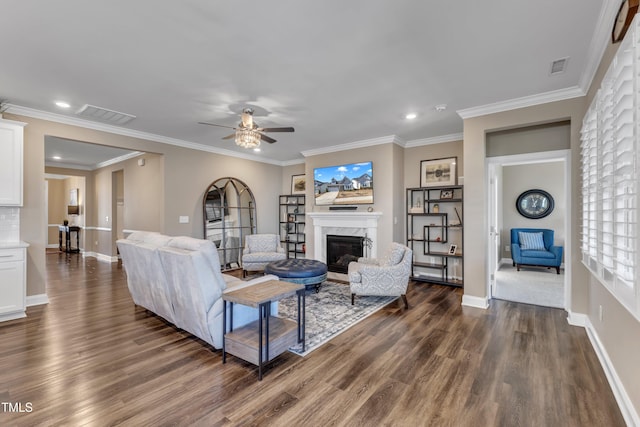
(446, 194)
(535, 204)
(625, 15)
(370, 209)
(438, 172)
(419, 203)
(458, 215)
(436, 208)
(291, 218)
(298, 184)
(452, 249)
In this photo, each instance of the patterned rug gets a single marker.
(329, 313)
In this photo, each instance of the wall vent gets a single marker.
(105, 115)
(559, 66)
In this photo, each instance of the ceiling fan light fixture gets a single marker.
(247, 138)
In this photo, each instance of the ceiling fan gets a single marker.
(247, 134)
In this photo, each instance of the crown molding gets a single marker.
(292, 162)
(525, 101)
(352, 145)
(434, 140)
(67, 166)
(55, 176)
(118, 159)
(601, 39)
(87, 124)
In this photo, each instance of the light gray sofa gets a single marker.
(179, 279)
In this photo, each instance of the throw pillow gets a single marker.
(531, 241)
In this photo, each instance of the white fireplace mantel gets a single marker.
(323, 221)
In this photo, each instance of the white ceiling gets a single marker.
(340, 72)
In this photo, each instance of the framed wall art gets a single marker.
(438, 172)
(298, 184)
(73, 197)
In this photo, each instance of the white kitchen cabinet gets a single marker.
(11, 153)
(13, 282)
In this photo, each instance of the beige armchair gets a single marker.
(259, 250)
(386, 276)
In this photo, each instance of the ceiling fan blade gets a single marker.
(233, 135)
(220, 126)
(267, 138)
(287, 129)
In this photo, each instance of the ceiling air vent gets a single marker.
(559, 66)
(105, 115)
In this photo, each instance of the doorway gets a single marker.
(506, 177)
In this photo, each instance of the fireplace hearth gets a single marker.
(341, 250)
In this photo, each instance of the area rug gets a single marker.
(329, 313)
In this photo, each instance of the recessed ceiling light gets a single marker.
(440, 108)
(62, 104)
(257, 149)
(56, 157)
(411, 116)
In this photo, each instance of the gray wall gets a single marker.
(518, 178)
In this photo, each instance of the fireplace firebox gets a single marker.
(341, 250)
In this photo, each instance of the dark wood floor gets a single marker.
(90, 357)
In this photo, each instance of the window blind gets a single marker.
(609, 162)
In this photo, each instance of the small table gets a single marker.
(308, 272)
(66, 230)
(264, 339)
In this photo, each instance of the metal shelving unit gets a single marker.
(435, 234)
(292, 224)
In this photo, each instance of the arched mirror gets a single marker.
(229, 213)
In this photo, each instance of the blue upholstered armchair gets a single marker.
(534, 246)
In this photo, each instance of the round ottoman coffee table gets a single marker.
(307, 272)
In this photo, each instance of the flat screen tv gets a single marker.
(348, 184)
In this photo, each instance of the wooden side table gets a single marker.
(66, 230)
(262, 340)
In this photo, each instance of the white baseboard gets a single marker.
(12, 316)
(629, 413)
(477, 302)
(577, 319)
(100, 257)
(39, 299)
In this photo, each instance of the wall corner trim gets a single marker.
(629, 413)
(476, 302)
(39, 299)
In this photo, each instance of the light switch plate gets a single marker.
(184, 219)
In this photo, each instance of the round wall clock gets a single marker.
(625, 15)
(535, 204)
